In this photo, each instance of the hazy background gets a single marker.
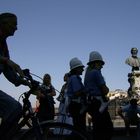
(51, 32)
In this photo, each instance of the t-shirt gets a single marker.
(74, 85)
(93, 81)
(131, 112)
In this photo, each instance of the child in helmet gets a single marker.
(75, 92)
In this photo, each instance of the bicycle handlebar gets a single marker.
(34, 84)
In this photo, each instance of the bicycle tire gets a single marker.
(57, 131)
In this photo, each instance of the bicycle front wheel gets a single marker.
(56, 131)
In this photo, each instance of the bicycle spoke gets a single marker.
(57, 131)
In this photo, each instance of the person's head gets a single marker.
(47, 79)
(95, 60)
(8, 24)
(134, 52)
(76, 66)
(66, 76)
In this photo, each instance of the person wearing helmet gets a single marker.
(96, 87)
(133, 60)
(76, 93)
(129, 113)
(10, 109)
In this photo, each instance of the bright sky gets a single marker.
(51, 32)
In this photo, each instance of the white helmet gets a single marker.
(75, 62)
(95, 56)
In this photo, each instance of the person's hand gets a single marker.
(19, 71)
(39, 94)
(25, 82)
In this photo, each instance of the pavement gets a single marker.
(119, 131)
(120, 134)
(124, 138)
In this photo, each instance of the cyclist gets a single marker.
(10, 109)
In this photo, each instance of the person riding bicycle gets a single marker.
(10, 109)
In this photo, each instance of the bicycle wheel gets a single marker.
(57, 131)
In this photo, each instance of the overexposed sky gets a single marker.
(51, 32)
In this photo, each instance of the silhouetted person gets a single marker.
(46, 110)
(10, 109)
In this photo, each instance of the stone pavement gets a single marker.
(124, 138)
(119, 131)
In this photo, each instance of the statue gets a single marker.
(134, 62)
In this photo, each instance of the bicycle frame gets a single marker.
(28, 113)
(35, 127)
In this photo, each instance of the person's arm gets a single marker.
(53, 92)
(101, 84)
(63, 88)
(80, 92)
(3, 60)
(9, 62)
(62, 92)
(39, 94)
(104, 90)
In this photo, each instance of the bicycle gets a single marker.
(41, 130)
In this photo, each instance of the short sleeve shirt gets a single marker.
(131, 111)
(93, 81)
(74, 85)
